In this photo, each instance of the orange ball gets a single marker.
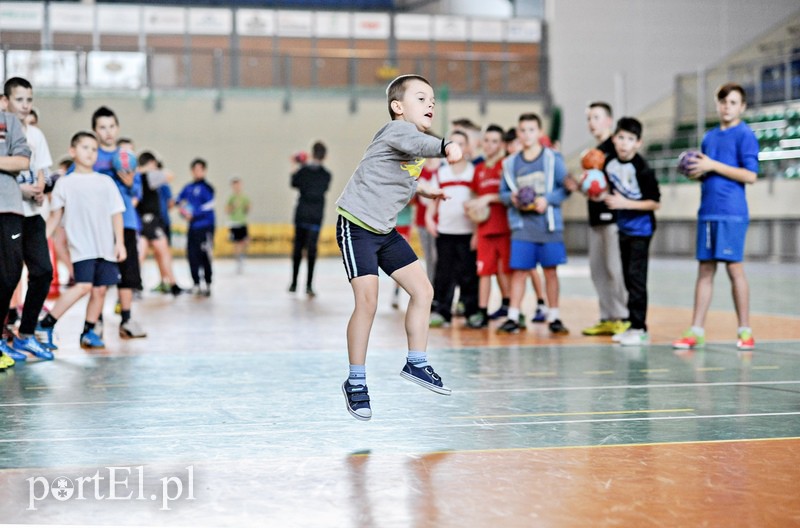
(593, 159)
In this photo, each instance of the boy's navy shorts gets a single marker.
(527, 255)
(721, 240)
(99, 272)
(363, 251)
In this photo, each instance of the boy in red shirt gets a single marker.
(493, 234)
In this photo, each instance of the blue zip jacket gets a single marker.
(199, 196)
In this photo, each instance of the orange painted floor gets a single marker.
(230, 414)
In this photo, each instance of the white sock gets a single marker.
(552, 314)
(698, 331)
(513, 314)
(745, 329)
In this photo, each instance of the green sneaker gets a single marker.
(689, 340)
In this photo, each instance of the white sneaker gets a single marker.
(616, 338)
(130, 329)
(634, 337)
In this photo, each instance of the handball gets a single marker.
(593, 159)
(525, 198)
(686, 157)
(300, 157)
(594, 183)
(477, 211)
(124, 160)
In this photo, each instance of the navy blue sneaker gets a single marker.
(540, 316)
(32, 346)
(501, 312)
(10, 352)
(356, 397)
(45, 337)
(426, 377)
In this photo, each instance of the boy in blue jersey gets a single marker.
(381, 186)
(196, 204)
(728, 162)
(537, 231)
(106, 127)
(634, 196)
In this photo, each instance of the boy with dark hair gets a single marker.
(493, 234)
(14, 158)
(90, 207)
(311, 181)
(537, 229)
(729, 161)
(196, 201)
(18, 99)
(605, 266)
(106, 128)
(454, 231)
(381, 186)
(634, 196)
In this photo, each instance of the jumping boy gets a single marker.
(537, 235)
(634, 196)
(728, 162)
(90, 207)
(382, 184)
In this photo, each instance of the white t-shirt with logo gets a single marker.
(40, 160)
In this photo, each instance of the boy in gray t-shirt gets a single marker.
(14, 157)
(381, 186)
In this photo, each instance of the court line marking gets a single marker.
(577, 413)
(765, 383)
(598, 372)
(710, 369)
(272, 432)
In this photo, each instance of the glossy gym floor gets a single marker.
(230, 414)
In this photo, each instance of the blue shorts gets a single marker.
(363, 252)
(527, 255)
(99, 272)
(720, 240)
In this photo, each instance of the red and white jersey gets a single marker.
(487, 181)
(452, 218)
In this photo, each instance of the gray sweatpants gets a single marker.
(605, 265)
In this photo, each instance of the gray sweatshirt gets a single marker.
(386, 178)
(12, 143)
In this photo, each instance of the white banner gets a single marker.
(72, 18)
(255, 22)
(524, 30)
(208, 21)
(295, 24)
(332, 24)
(413, 27)
(486, 30)
(21, 17)
(119, 19)
(449, 28)
(45, 69)
(116, 69)
(371, 26)
(165, 20)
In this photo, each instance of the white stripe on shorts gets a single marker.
(347, 249)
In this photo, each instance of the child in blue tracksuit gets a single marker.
(197, 207)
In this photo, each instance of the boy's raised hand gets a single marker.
(453, 152)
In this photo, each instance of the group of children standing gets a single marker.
(525, 189)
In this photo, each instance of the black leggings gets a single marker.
(10, 258)
(36, 254)
(304, 238)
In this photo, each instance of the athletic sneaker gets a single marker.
(91, 340)
(477, 321)
(634, 337)
(130, 329)
(6, 362)
(540, 316)
(620, 326)
(509, 327)
(557, 327)
(437, 320)
(460, 309)
(689, 340)
(197, 290)
(356, 397)
(32, 346)
(161, 288)
(175, 290)
(309, 291)
(292, 288)
(10, 352)
(745, 341)
(601, 329)
(99, 326)
(45, 337)
(501, 312)
(426, 377)
(118, 308)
